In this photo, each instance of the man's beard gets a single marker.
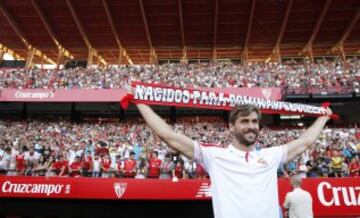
(242, 139)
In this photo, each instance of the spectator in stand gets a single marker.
(96, 166)
(336, 164)
(323, 165)
(179, 170)
(5, 158)
(63, 165)
(20, 162)
(190, 169)
(354, 167)
(12, 165)
(86, 164)
(89, 147)
(41, 167)
(31, 160)
(102, 148)
(345, 169)
(119, 166)
(348, 152)
(154, 166)
(312, 168)
(49, 170)
(105, 164)
(166, 167)
(54, 168)
(142, 169)
(75, 168)
(291, 167)
(138, 149)
(130, 164)
(302, 169)
(113, 156)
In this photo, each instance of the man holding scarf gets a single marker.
(243, 178)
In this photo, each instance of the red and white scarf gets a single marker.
(158, 94)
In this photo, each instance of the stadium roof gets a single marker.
(143, 30)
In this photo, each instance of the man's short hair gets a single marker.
(243, 111)
(296, 180)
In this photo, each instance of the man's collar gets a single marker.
(232, 148)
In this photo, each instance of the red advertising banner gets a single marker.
(62, 95)
(331, 197)
(110, 95)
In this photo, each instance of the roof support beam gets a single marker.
(142, 57)
(216, 7)
(5, 50)
(13, 24)
(115, 34)
(2, 53)
(350, 27)
(20, 33)
(251, 18)
(90, 57)
(184, 58)
(264, 27)
(91, 49)
(339, 46)
(276, 49)
(342, 52)
(10, 52)
(121, 56)
(30, 58)
(49, 29)
(309, 44)
(153, 56)
(60, 59)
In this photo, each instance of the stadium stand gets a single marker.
(332, 76)
(103, 149)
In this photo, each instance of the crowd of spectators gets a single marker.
(130, 150)
(290, 74)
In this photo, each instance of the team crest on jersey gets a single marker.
(262, 161)
(120, 189)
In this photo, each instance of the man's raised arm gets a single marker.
(298, 146)
(180, 142)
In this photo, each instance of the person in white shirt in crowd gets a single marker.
(190, 169)
(5, 159)
(31, 160)
(12, 165)
(298, 202)
(241, 175)
(96, 166)
(302, 168)
(166, 167)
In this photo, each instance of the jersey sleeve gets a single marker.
(279, 154)
(203, 155)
